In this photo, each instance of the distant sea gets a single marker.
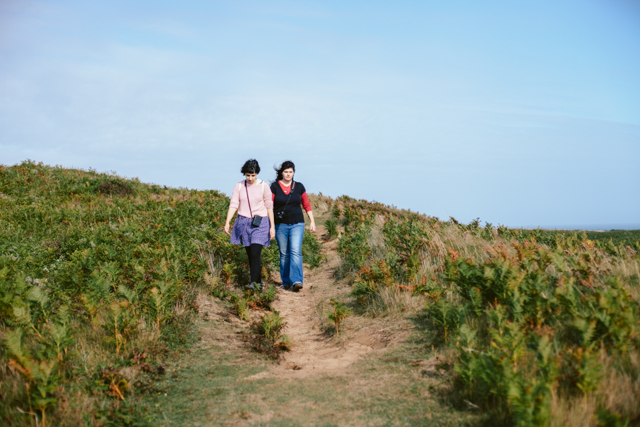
(598, 227)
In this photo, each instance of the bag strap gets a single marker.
(293, 187)
(245, 187)
(247, 190)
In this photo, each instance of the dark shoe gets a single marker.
(296, 287)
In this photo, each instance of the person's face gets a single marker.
(287, 174)
(251, 177)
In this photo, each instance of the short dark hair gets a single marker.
(250, 166)
(285, 165)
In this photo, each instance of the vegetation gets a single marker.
(267, 336)
(617, 237)
(338, 313)
(98, 283)
(311, 251)
(100, 280)
(538, 322)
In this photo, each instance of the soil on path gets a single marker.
(314, 352)
(371, 374)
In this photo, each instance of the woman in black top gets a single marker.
(288, 195)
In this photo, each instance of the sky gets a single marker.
(525, 114)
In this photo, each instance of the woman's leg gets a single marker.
(295, 253)
(248, 251)
(282, 237)
(255, 266)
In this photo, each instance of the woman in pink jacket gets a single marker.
(254, 228)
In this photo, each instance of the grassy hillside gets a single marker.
(616, 237)
(101, 279)
(539, 327)
(98, 278)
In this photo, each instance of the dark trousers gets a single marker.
(255, 266)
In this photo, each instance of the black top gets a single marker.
(293, 212)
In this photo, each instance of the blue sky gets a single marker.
(521, 113)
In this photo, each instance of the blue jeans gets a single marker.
(289, 238)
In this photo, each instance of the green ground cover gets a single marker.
(98, 279)
(617, 237)
(537, 320)
(99, 285)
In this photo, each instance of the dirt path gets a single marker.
(313, 351)
(371, 374)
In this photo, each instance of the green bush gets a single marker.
(311, 250)
(528, 331)
(354, 249)
(99, 257)
(528, 313)
(369, 279)
(338, 314)
(267, 337)
(332, 227)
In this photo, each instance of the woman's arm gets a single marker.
(268, 203)
(230, 214)
(306, 204)
(234, 204)
(272, 230)
(312, 225)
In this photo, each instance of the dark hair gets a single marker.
(285, 165)
(250, 166)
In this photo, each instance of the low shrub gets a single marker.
(266, 335)
(338, 313)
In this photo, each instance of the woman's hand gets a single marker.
(230, 214)
(312, 222)
(272, 223)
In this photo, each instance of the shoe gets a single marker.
(253, 286)
(296, 287)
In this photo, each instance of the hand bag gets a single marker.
(255, 220)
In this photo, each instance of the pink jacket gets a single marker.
(260, 197)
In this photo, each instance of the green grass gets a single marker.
(626, 237)
(617, 237)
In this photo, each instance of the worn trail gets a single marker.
(313, 351)
(369, 375)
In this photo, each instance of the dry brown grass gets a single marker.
(573, 412)
(619, 389)
(618, 392)
(392, 300)
(376, 241)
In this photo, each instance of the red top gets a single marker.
(306, 204)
